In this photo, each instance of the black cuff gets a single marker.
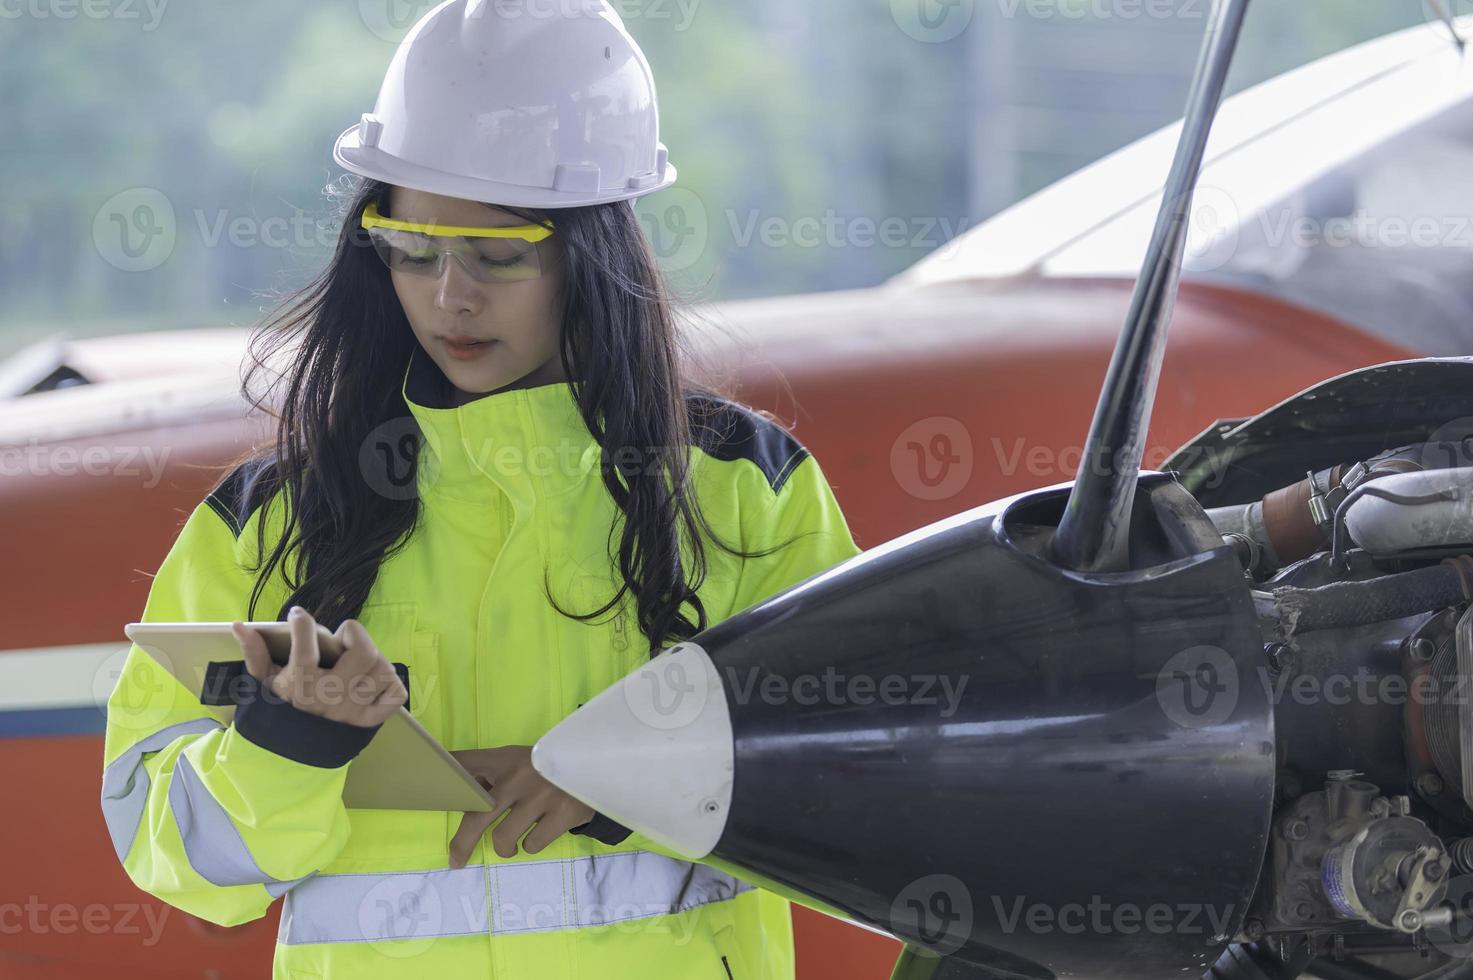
(278, 726)
(602, 829)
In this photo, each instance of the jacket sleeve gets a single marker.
(804, 510)
(217, 820)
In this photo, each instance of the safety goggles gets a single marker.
(488, 254)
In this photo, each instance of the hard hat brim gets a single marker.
(376, 164)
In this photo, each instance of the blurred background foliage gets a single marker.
(164, 163)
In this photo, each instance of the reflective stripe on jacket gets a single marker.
(220, 820)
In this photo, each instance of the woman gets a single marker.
(493, 483)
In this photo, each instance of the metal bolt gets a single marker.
(1429, 784)
(1296, 830)
(1422, 649)
(1253, 930)
(1303, 911)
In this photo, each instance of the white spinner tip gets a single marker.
(654, 752)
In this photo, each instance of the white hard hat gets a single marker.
(540, 103)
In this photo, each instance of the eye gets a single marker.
(502, 263)
(503, 253)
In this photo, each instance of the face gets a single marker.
(520, 318)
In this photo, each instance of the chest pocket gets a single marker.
(613, 646)
(388, 840)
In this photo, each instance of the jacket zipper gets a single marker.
(620, 641)
(728, 968)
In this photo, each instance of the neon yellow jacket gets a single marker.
(219, 823)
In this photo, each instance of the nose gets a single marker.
(458, 292)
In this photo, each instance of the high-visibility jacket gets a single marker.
(220, 823)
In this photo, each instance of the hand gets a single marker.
(523, 795)
(360, 689)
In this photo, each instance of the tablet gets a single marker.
(402, 768)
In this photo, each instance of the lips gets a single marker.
(466, 348)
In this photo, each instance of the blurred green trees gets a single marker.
(164, 162)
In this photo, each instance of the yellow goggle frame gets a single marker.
(529, 233)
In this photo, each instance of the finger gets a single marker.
(467, 835)
(304, 656)
(468, 758)
(373, 690)
(359, 653)
(519, 820)
(253, 648)
(365, 688)
(394, 694)
(552, 826)
(382, 672)
(494, 764)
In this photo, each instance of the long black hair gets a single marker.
(346, 340)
